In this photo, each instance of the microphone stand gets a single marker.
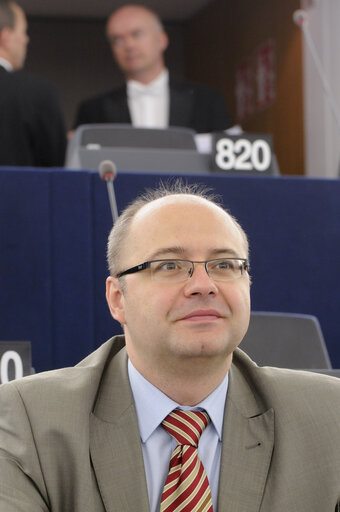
(112, 199)
(108, 171)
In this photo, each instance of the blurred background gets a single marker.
(251, 51)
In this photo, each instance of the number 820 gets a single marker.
(243, 155)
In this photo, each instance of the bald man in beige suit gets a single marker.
(70, 440)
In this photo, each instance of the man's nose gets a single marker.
(200, 282)
(129, 41)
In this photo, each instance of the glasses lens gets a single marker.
(225, 269)
(170, 270)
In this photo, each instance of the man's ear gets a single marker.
(5, 34)
(164, 41)
(115, 299)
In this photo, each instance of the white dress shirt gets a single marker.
(5, 64)
(152, 406)
(149, 104)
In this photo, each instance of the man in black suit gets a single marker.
(150, 98)
(32, 131)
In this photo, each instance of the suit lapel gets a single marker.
(248, 439)
(116, 106)
(181, 105)
(115, 445)
(116, 453)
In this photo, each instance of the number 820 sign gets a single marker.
(243, 154)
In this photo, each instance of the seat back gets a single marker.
(170, 150)
(125, 135)
(286, 340)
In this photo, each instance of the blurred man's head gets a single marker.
(13, 34)
(138, 41)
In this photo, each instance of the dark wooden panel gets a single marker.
(222, 35)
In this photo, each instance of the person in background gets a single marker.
(150, 97)
(173, 415)
(32, 131)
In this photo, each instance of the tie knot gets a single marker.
(186, 427)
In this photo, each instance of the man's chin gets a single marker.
(203, 348)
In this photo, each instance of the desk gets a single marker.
(53, 230)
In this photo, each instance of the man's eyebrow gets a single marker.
(225, 251)
(180, 251)
(165, 251)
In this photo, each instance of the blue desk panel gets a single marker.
(53, 230)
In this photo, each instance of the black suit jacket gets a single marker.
(32, 131)
(191, 105)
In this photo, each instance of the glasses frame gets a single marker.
(142, 266)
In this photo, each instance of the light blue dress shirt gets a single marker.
(152, 406)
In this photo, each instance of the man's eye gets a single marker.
(225, 264)
(138, 34)
(169, 265)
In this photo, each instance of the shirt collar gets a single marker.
(6, 64)
(152, 406)
(157, 86)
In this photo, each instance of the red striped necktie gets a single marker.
(187, 487)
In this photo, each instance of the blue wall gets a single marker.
(53, 230)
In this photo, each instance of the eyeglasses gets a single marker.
(221, 269)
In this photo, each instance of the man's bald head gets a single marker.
(138, 41)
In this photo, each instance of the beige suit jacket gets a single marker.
(69, 440)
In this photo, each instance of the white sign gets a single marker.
(243, 154)
(15, 360)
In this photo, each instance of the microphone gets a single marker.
(108, 172)
(300, 19)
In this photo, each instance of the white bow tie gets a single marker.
(136, 90)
